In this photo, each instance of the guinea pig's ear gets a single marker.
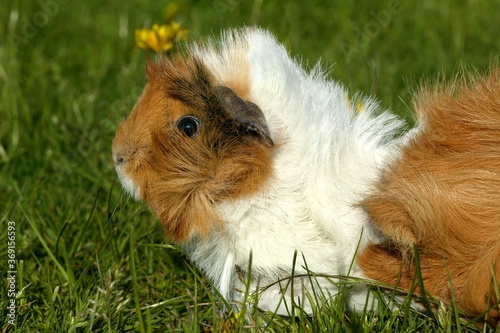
(247, 114)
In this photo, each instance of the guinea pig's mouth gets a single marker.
(128, 184)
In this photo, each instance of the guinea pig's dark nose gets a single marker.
(118, 159)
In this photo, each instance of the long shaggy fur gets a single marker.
(226, 195)
(443, 195)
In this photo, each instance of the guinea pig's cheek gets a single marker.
(128, 184)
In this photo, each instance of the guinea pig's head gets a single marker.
(189, 144)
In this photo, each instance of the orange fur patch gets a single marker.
(443, 195)
(182, 178)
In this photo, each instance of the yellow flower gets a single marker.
(230, 322)
(359, 105)
(160, 38)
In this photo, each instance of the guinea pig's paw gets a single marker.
(278, 299)
(304, 293)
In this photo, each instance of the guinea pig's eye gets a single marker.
(189, 125)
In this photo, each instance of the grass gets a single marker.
(88, 258)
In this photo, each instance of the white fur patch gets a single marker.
(128, 184)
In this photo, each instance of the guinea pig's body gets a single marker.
(244, 155)
(442, 195)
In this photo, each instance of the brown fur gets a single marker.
(443, 195)
(181, 178)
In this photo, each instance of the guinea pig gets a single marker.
(256, 167)
(442, 196)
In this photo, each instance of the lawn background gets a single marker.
(89, 259)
